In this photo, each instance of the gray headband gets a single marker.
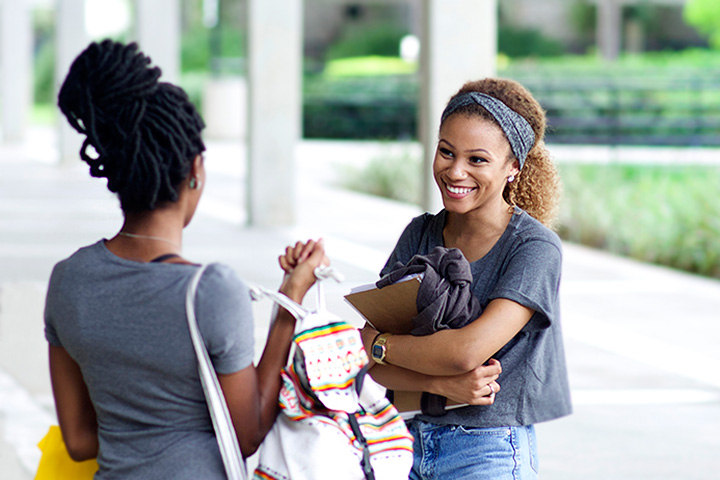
(517, 130)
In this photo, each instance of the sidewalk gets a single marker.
(641, 341)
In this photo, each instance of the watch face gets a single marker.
(377, 351)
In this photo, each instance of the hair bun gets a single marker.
(106, 91)
(143, 133)
(109, 75)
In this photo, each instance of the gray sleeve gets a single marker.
(51, 298)
(224, 314)
(531, 278)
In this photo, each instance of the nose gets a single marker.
(457, 170)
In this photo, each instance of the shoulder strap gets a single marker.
(224, 430)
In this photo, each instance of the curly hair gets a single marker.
(144, 133)
(537, 187)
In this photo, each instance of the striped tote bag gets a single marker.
(335, 422)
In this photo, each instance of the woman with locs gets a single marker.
(500, 191)
(123, 369)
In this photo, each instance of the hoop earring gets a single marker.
(511, 178)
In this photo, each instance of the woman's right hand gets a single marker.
(299, 263)
(476, 387)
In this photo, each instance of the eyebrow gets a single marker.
(475, 150)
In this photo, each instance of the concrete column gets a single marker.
(609, 28)
(459, 44)
(274, 109)
(158, 34)
(15, 68)
(71, 39)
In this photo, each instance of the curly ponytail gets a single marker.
(144, 133)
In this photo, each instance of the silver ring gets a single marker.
(492, 389)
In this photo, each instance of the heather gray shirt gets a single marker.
(124, 323)
(524, 266)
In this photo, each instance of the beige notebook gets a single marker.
(391, 309)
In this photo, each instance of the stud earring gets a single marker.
(194, 183)
(511, 178)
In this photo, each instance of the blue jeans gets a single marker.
(451, 452)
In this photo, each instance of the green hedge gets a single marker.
(658, 214)
(350, 107)
(654, 98)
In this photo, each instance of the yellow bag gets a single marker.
(56, 464)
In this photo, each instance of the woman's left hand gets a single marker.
(299, 263)
(368, 334)
(476, 387)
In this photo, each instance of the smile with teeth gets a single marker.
(459, 190)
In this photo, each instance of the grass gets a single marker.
(369, 67)
(663, 215)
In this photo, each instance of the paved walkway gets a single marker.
(641, 341)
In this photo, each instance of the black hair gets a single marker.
(145, 133)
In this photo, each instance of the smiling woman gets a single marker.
(468, 175)
(499, 189)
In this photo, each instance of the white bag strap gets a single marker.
(296, 310)
(224, 430)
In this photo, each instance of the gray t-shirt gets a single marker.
(124, 323)
(524, 266)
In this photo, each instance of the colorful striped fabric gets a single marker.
(319, 392)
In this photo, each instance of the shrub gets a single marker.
(375, 107)
(657, 214)
(704, 15)
(524, 42)
(390, 175)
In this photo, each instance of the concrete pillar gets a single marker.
(158, 34)
(609, 28)
(71, 39)
(15, 68)
(459, 44)
(274, 109)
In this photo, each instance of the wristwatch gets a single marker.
(379, 348)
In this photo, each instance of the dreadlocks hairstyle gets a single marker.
(144, 133)
(537, 187)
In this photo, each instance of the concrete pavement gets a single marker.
(640, 340)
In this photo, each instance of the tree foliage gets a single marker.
(704, 16)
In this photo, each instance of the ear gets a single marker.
(196, 165)
(514, 168)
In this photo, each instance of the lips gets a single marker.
(455, 191)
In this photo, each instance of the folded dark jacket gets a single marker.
(445, 299)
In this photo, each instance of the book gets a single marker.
(390, 310)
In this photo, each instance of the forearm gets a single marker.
(398, 378)
(473, 387)
(274, 358)
(454, 352)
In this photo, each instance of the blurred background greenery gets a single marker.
(664, 90)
